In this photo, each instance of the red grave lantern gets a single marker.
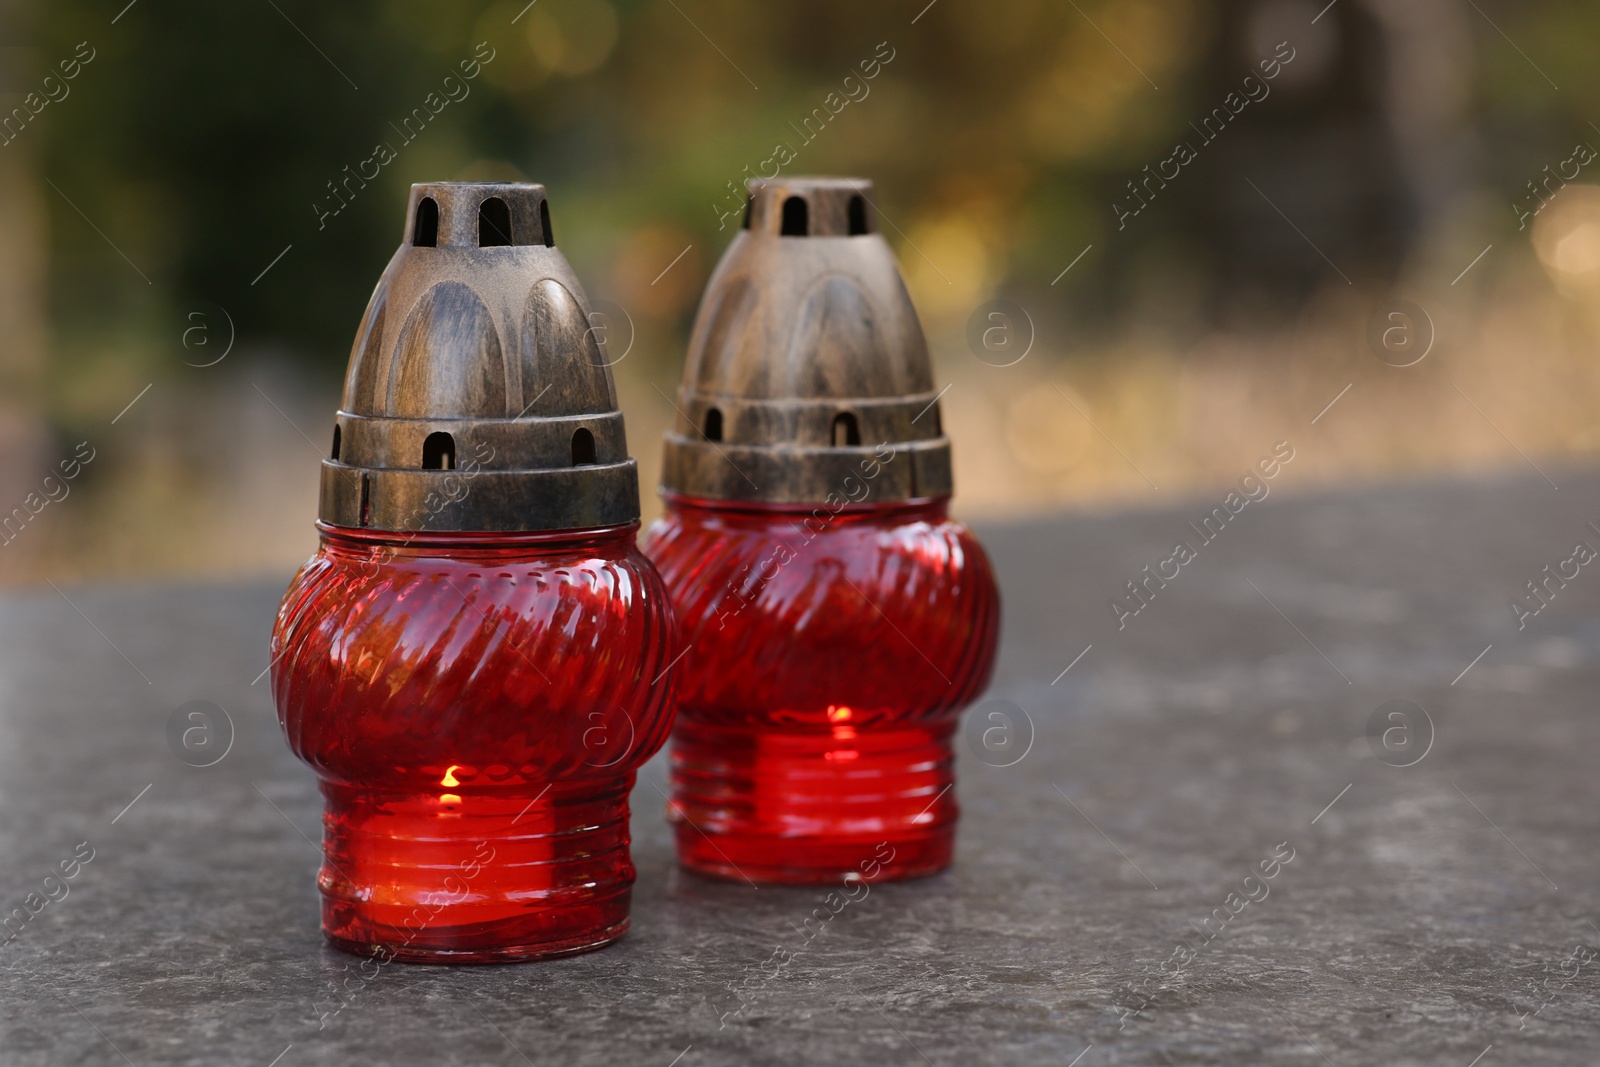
(478, 658)
(836, 620)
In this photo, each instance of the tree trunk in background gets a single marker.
(1429, 88)
(1352, 165)
(24, 222)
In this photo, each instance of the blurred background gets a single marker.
(1389, 206)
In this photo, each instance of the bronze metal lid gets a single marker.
(478, 396)
(807, 365)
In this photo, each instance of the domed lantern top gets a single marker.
(478, 397)
(806, 358)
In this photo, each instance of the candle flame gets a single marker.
(448, 800)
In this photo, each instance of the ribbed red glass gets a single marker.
(829, 654)
(476, 706)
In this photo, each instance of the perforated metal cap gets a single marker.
(478, 396)
(806, 360)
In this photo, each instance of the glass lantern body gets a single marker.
(476, 706)
(830, 651)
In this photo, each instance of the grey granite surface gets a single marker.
(1438, 913)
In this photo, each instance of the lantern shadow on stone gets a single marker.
(836, 620)
(477, 593)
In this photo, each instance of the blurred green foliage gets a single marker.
(202, 136)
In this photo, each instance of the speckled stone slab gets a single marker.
(1196, 846)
